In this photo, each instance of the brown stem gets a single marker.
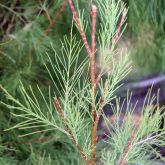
(83, 156)
(120, 26)
(96, 124)
(56, 17)
(93, 13)
(83, 36)
(92, 60)
(94, 85)
(99, 112)
(129, 144)
(48, 16)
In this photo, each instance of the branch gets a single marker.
(83, 156)
(78, 23)
(92, 60)
(94, 85)
(56, 17)
(99, 111)
(150, 138)
(93, 13)
(129, 144)
(120, 26)
(48, 16)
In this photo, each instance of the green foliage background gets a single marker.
(147, 27)
(22, 53)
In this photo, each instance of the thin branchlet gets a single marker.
(78, 23)
(56, 17)
(129, 144)
(124, 13)
(59, 109)
(93, 36)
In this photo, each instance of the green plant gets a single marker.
(82, 93)
(146, 25)
(22, 49)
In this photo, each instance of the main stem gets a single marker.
(92, 59)
(93, 131)
(94, 85)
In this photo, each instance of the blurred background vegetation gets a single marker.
(28, 29)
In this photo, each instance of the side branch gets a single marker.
(93, 38)
(56, 17)
(83, 156)
(120, 26)
(100, 111)
(129, 145)
(101, 107)
(93, 13)
(83, 36)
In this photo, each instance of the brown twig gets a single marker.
(99, 112)
(129, 144)
(83, 156)
(48, 16)
(83, 36)
(55, 18)
(97, 122)
(120, 26)
(93, 80)
(93, 36)
(92, 58)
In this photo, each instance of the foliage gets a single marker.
(57, 119)
(25, 36)
(146, 23)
